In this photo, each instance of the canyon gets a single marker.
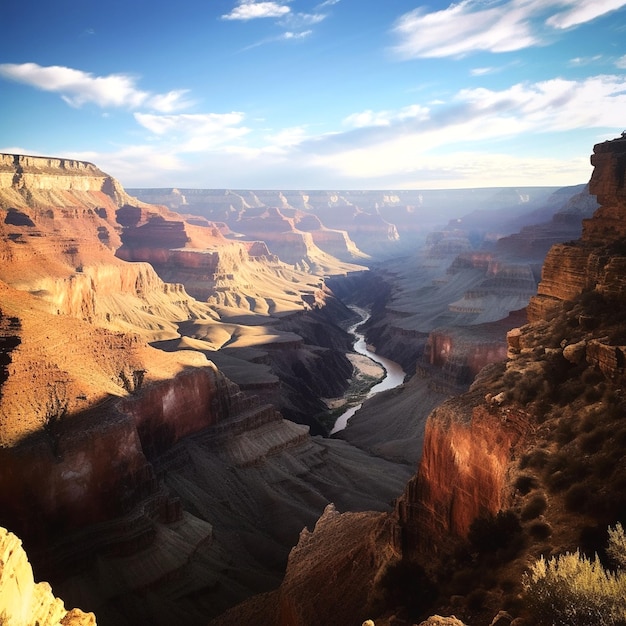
(167, 354)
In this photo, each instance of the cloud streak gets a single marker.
(78, 88)
(497, 26)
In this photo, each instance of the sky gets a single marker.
(316, 94)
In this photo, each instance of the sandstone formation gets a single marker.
(24, 602)
(590, 263)
(380, 223)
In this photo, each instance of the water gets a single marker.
(394, 374)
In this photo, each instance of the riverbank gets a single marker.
(367, 373)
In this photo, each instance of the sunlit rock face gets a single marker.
(462, 474)
(24, 602)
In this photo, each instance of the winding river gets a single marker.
(394, 374)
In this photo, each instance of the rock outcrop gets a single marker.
(590, 263)
(24, 602)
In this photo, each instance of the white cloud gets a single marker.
(301, 35)
(250, 10)
(621, 63)
(582, 11)
(78, 88)
(581, 61)
(327, 3)
(477, 123)
(476, 138)
(299, 20)
(386, 118)
(194, 132)
(462, 28)
(495, 26)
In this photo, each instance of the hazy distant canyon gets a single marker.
(172, 362)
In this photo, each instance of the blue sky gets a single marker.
(304, 94)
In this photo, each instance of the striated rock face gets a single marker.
(462, 475)
(24, 602)
(331, 575)
(41, 181)
(145, 484)
(591, 262)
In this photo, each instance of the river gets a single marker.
(394, 374)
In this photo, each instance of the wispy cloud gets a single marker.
(386, 118)
(582, 61)
(495, 26)
(78, 88)
(296, 25)
(474, 127)
(481, 71)
(300, 20)
(621, 63)
(301, 35)
(250, 10)
(580, 12)
(195, 132)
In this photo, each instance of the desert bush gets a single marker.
(577, 498)
(592, 442)
(562, 471)
(617, 545)
(535, 459)
(573, 590)
(476, 599)
(534, 507)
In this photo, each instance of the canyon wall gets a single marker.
(587, 263)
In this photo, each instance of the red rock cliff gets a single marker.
(569, 269)
(471, 441)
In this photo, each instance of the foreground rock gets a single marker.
(24, 602)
